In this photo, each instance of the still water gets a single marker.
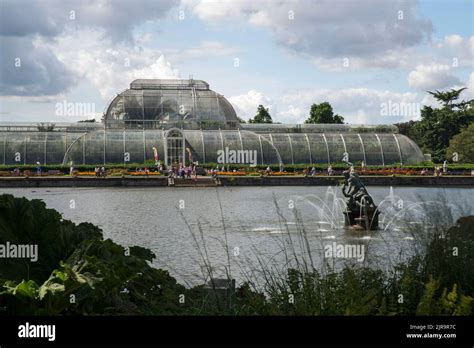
(250, 226)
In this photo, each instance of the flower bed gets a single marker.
(396, 171)
(144, 174)
(285, 174)
(232, 173)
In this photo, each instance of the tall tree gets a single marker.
(461, 146)
(262, 116)
(323, 113)
(438, 125)
(448, 97)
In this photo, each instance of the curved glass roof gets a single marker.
(154, 103)
(111, 146)
(318, 128)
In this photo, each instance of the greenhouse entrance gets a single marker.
(174, 147)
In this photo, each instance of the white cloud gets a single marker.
(246, 105)
(369, 34)
(110, 66)
(470, 87)
(29, 31)
(455, 50)
(428, 77)
(29, 69)
(356, 105)
(204, 49)
(292, 114)
(216, 10)
(110, 70)
(52, 17)
(364, 30)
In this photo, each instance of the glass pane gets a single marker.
(319, 151)
(373, 152)
(194, 144)
(411, 153)
(212, 143)
(134, 146)
(154, 138)
(282, 144)
(15, 148)
(354, 147)
(390, 149)
(94, 147)
(55, 147)
(336, 147)
(299, 144)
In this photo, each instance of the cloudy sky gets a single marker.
(362, 56)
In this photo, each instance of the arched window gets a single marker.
(174, 147)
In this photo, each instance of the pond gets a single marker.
(253, 227)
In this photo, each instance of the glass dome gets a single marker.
(157, 103)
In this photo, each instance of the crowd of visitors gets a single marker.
(437, 171)
(100, 172)
(182, 171)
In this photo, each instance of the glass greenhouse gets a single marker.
(184, 120)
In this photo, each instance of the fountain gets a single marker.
(361, 212)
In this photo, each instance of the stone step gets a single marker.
(201, 182)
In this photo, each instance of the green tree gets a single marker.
(448, 97)
(262, 116)
(463, 145)
(438, 125)
(323, 113)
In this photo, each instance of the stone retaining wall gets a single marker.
(81, 182)
(235, 181)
